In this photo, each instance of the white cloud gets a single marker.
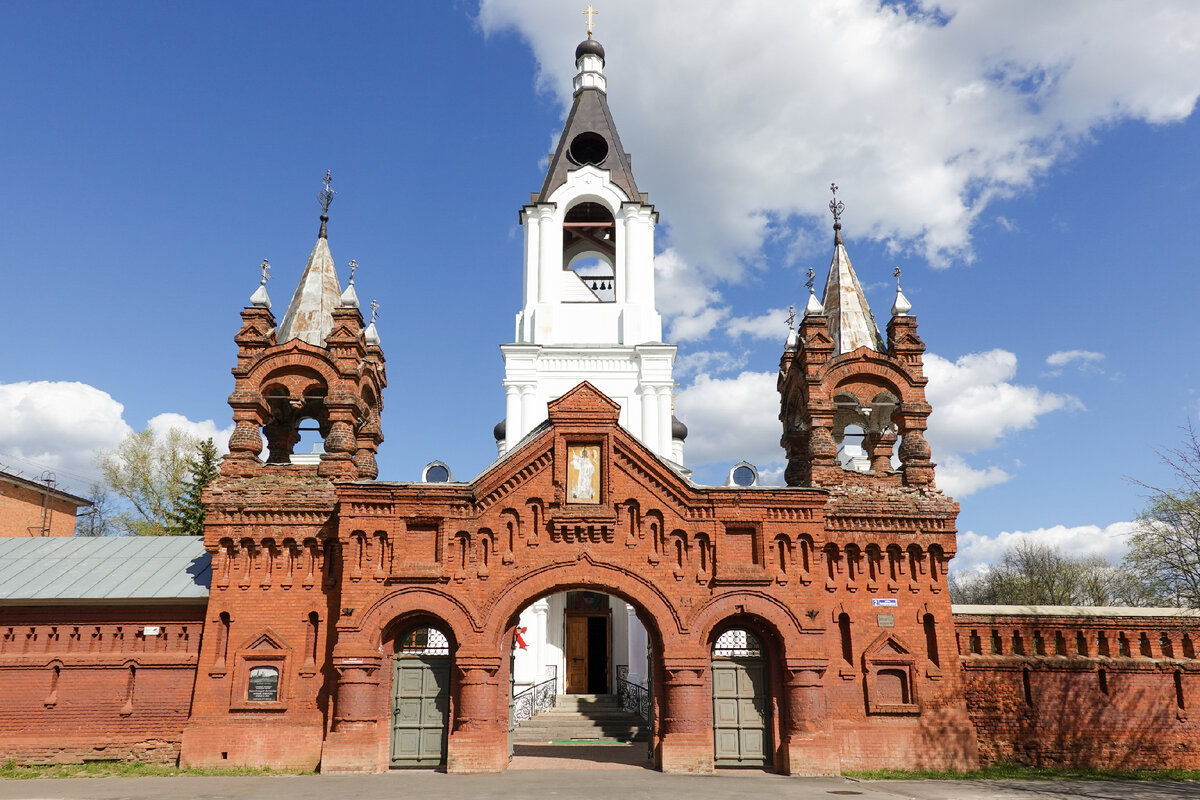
(59, 425)
(958, 478)
(975, 404)
(771, 325)
(1085, 360)
(1109, 542)
(712, 362)
(62, 425)
(740, 114)
(204, 429)
(730, 419)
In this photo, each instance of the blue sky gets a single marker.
(1033, 171)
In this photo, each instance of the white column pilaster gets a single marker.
(539, 640)
(549, 254)
(532, 227)
(637, 647)
(664, 421)
(512, 416)
(528, 409)
(649, 435)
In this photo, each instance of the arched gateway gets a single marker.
(328, 586)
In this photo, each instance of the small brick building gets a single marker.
(36, 508)
(356, 624)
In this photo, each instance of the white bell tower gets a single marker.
(588, 310)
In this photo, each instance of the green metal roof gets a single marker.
(111, 569)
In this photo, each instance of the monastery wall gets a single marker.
(1064, 686)
(88, 683)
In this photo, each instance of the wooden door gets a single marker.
(420, 706)
(577, 655)
(739, 712)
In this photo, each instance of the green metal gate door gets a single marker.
(739, 678)
(420, 707)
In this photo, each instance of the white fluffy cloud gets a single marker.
(205, 429)
(1109, 542)
(976, 404)
(730, 419)
(59, 425)
(62, 425)
(924, 113)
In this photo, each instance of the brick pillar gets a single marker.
(357, 742)
(687, 736)
(808, 747)
(478, 739)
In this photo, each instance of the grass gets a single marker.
(124, 769)
(1021, 772)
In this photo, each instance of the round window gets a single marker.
(437, 474)
(588, 148)
(743, 476)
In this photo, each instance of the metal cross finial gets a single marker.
(835, 205)
(812, 277)
(896, 272)
(590, 12)
(266, 271)
(374, 311)
(791, 317)
(353, 266)
(325, 196)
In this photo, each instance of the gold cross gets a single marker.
(590, 12)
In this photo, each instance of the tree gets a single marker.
(1041, 575)
(148, 472)
(187, 518)
(98, 519)
(1164, 551)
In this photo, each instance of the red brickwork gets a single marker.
(86, 683)
(1113, 692)
(29, 509)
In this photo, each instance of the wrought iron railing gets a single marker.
(634, 698)
(534, 700)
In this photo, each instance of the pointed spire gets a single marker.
(851, 323)
(371, 335)
(901, 307)
(813, 308)
(589, 137)
(325, 197)
(349, 298)
(259, 299)
(309, 315)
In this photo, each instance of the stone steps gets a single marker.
(583, 717)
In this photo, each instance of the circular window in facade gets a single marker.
(588, 148)
(743, 474)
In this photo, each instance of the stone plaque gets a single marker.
(886, 620)
(264, 685)
(583, 473)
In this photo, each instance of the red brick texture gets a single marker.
(1113, 692)
(25, 511)
(87, 683)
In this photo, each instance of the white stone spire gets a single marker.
(851, 323)
(310, 314)
(901, 306)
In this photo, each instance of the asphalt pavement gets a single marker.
(598, 785)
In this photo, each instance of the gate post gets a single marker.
(687, 737)
(808, 747)
(357, 742)
(478, 740)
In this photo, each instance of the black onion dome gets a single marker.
(501, 430)
(678, 429)
(589, 46)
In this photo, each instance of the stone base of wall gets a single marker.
(252, 744)
(27, 751)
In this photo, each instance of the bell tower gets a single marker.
(588, 302)
(321, 371)
(846, 395)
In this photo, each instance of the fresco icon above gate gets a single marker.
(583, 474)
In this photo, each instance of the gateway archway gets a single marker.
(420, 697)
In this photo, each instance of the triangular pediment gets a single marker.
(888, 647)
(266, 640)
(584, 403)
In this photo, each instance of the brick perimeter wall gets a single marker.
(84, 683)
(1123, 710)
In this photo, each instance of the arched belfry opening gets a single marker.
(589, 254)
